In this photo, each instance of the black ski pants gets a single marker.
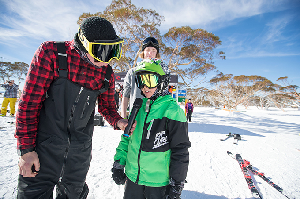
(189, 115)
(63, 143)
(133, 190)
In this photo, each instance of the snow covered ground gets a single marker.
(270, 141)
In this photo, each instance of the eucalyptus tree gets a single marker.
(133, 25)
(189, 52)
(237, 90)
(286, 88)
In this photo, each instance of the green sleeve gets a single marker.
(122, 149)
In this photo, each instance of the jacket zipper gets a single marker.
(87, 102)
(69, 136)
(149, 129)
(140, 150)
(65, 161)
(73, 108)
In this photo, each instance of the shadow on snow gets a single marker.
(265, 124)
(186, 194)
(220, 129)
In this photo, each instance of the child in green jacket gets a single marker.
(156, 155)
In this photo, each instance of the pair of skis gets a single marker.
(236, 137)
(246, 169)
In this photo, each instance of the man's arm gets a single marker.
(107, 105)
(40, 75)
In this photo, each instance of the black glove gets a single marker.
(175, 189)
(118, 174)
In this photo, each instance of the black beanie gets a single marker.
(150, 44)
(97, 28)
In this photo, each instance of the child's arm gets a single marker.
(121, 151)
(179, 144)
(118, 174)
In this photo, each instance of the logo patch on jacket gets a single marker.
(156, 136)
(160, 139)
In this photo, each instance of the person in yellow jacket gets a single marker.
(10, 97)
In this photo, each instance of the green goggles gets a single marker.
(102, 50)
(151, 80)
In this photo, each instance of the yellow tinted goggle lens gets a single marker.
(149, 80)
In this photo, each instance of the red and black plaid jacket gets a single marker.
(42, 72)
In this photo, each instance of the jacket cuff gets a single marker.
(21, 152)
(117, 165)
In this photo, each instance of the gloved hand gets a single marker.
(118, 174)
(175, 189)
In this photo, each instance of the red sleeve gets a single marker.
(38, 80)
(107, 104)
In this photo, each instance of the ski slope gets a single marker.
(270, 141)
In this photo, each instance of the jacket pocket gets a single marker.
(156, 136)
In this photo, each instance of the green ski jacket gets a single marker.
(158, 147)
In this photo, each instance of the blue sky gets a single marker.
(259, 37)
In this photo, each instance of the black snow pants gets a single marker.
(135, 191)
(189, 115)
(63, 144)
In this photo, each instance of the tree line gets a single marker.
(189, 53)
(231, 91)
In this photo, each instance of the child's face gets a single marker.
(150, 52)
(148, 92)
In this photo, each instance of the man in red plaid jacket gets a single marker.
(55, 118)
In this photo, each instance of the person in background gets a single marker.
(55, 119)
(117, 95)
(150, 50)
(155, 156)
(10, 97)
(189, 107)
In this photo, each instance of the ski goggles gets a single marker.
(151, 80)
(150, 40)
(102, 50)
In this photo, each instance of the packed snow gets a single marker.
(270, 141)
